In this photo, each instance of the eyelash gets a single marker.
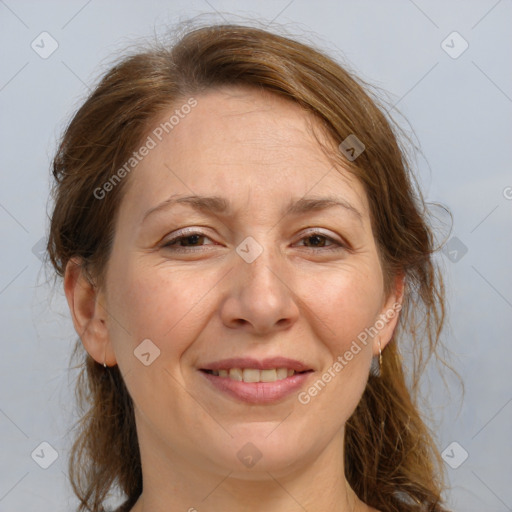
(170, 244)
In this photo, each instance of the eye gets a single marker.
(188, 241)
(179, 243)
(318, 240)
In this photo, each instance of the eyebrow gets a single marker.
(221, 206)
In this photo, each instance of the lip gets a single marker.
(257, 364)
(257, 392)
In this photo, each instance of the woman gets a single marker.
(244, 254)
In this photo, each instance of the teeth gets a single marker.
(236, 374)
(254, 375)
(282, 373)
(250, 375)
(268, 375)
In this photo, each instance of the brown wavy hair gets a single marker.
(391, 460)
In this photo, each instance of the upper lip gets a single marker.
(258, 364)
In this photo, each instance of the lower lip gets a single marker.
(258, 392)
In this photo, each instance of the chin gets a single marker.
(255, 452)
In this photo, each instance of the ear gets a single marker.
(89, 315)
(387, 320)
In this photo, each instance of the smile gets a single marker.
(253, 374)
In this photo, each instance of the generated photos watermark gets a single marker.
(341, 361)
(150, 143)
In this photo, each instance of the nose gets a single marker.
(260, 296)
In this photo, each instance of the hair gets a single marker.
(390, 457)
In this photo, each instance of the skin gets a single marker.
(298, 299)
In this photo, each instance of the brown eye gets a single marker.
(182, 242)
(318, 240)
(192, 239)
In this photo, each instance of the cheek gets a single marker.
(156, 305)
(343, 313)
(345, 302)
(160, 306)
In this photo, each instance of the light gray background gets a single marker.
(461, 111)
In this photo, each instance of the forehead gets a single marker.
(237, 142)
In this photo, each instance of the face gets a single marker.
(269, 279)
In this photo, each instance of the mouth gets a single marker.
(254, 375)
(257, 381)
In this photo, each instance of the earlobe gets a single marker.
(89, 318)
